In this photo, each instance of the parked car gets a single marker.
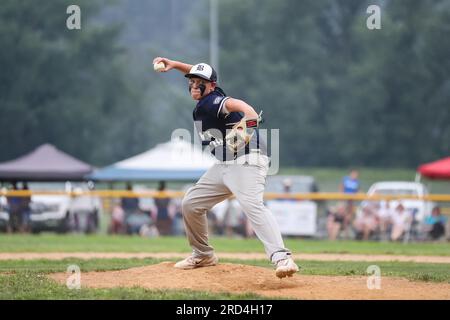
(63, 213)
(420, 208)
(4, 216)
(60, 213)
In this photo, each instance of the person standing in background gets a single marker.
(25, 210)
(164, 217)
(401, 221)
(349, 185)
(15, 215)
(129, 205)
(435, 224)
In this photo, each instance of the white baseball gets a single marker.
(159, 66)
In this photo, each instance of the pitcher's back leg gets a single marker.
(206, 193)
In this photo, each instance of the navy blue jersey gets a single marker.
(212, 125)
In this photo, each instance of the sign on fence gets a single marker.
(295, 218)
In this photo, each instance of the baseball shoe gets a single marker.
(286, 268)
(192, 262)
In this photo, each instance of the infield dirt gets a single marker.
(239, 278)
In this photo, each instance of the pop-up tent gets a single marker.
(439, 169)
(45, 163)
(175, 160)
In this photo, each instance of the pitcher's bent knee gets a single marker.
(188, 207)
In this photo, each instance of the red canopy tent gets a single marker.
(439, 169)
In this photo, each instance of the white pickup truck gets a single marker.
(4, 216)
(63, 213)
(60, 213)
(421, 207)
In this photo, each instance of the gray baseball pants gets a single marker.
(246, 183)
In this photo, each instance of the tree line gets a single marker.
(341, 94)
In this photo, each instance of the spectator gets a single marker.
(233, 219)
(401, 221)
(287, 185)
(117, 220)
(214, 224)
(335, 221)
(350, 185)
(287, 189)
(217, 219)
(25, 210)
(366, 223)
(164, 216)
(15, 214)
(435, 224)
(129, 205)
(148, 231)
(178, 224)
(384, 214)
(136, 221)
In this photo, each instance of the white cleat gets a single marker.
(286, 268)
(192, 262)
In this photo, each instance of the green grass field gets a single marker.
(33, 285)
(103, 243)
(26, 279)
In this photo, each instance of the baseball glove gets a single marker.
(241, 133)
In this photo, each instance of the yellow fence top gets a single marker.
(268, 195)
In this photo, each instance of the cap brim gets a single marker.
(195, 75)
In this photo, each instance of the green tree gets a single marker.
(340, 93)
(67, 87)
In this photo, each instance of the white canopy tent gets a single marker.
(173, 160)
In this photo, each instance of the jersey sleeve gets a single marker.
(216, 106)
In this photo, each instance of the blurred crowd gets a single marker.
(369, 220)
(128, 217)
(381, 221)
(164, 217)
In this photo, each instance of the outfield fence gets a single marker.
(335, 196)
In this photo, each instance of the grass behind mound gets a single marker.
(32, 286)
(44, 266)
(104, 243)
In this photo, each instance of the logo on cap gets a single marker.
(204, 71)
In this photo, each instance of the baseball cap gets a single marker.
(204, 71)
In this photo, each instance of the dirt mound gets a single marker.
(238, 278)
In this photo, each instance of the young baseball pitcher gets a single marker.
(229, 127)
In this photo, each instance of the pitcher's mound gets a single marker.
(238, 278)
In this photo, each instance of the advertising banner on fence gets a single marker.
(295, 218)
